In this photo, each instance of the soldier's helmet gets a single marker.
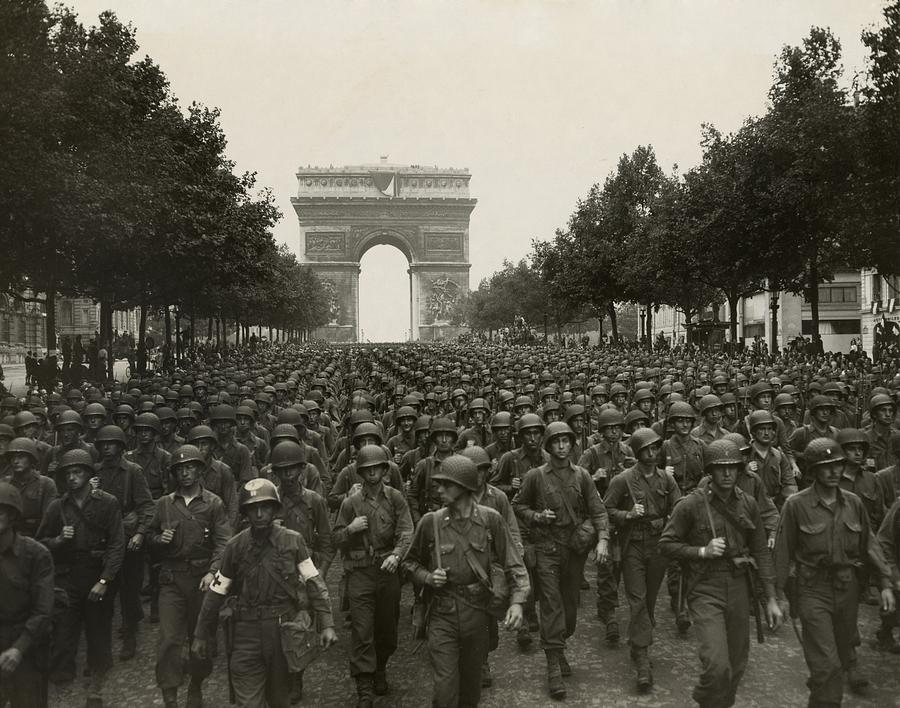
(503, 419)
(555, 429)
(609, 417)
(185, 454)
(443, 425)
(723, 452)
(287, 454)
(757, 418)
(738, 440)
(257, 491)
(9, 496)
(821, 451)
(641, 438)
(459, 470)
(852, 436)
(879, 400)
(22, 445)
(201, 432)
(76, 458)
(821, 402)
(405, 412)
(529, 420)
(477, 454)
(69, 418)
(371, 456)
(368, 429)
(708, 402)
(681, 409)
(111, 433)
(147, 420)
(423, 423)
(284, 431)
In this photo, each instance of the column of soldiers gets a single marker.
(754, 491)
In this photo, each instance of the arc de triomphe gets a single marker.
(423, 211)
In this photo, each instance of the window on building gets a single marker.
(832, 327)
(837, 294)
(876, 287)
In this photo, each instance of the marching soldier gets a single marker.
(269, 569)
(373, 530)
(83, 530)
(189, 531)
(35, 490)
(451, 553)
(26, 586)
(718, 532)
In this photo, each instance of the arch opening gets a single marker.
(385, 295)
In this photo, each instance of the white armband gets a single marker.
(308, 570)
(220, 584)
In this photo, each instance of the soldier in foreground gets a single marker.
(452, 552)
(269, 569)
(717, 532)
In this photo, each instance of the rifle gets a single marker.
(226, 616)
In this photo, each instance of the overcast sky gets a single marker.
(537, 99)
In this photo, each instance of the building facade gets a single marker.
(422, 211)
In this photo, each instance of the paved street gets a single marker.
(15, 376)
(603, 676)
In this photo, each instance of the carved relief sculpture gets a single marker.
(444, 294)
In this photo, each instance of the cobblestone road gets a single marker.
(603, 676)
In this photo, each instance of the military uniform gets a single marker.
(458, 628)
(273, 577)
(217, 478)
(155, 464)
(201, 531)
(237, 456)
(306, 512)
(775, 470)
(96, 551)
(37, 492)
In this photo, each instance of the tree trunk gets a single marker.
(600, 329)
(773, 307)
(650, 326)
(167, 353)
(613, 322)
(178, 333)
(142, 336)
(732, 315)
(218, 331)
(814, 294)
(50, 328)
(237, 333)
(193, 330)
(209, 326)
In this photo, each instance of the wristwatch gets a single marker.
(102, 581)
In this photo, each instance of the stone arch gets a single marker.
(386, 237)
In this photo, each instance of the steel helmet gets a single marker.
(478, 404)
(643, 394)
(257, 491)
(371, 456)
(245, 411)
(364, 429)
(76, 458)
(25, 418)
(111, 433)
(443, 425)
(124, 409)
(634, 416)
(69, 418)
(609, 417)
(757, 418)
(879, 400)
(9, 496)
(287, 454)
(6, 431)
(423, 424)
(641, 438)
(784, 399)
(201, 432)
(759, 388)
(185, 454)
(822, 451)
(573, 411)
(738, 440)
(852, 436)
(284, 431)
(147, 420)
(458, 469)
(681, 409)
(477, 454)
(503, 419)
(94, 409)
(165, 413)
(360, 415)
(821, 402)
(555, 429)
(223, 412)
(723, 452)
(26, 446)
(529, 420)
(709, 401)
(405, 412)
(617, 389)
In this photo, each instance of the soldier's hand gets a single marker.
(327, 638)
(355, 488)
(602, 551)
(774, 615)
(391, 563)
(715, 548)
(753, 466)
(437, 578)
(95, 482)
(97, 592)
(167, 536)
(514, 617)
(516, 482)
(198, 648)
(636, 512)
(206, 581)
(888, 601)
(670, 469)
(600, 474)
(770, 544)
(785, 608)
(10, 660)
(68, 533)
(360, 523)
(135, 543)
(547, 516)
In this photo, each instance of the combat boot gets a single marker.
(523, 638)
(129, 644)
(487, 680)
(612, 631)
(884, 641)
(564, 667)
(296, 687)
(683, 621)
(643, 669)
(381, 684)
(857, 682)
(195, 695)
(170, 698)
(554, 676)
(365, 691)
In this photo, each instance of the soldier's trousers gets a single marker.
(643, 570)
(131, 580)
(374, 614)
(179, 604)
(720, 606)
(828, 615)
(608, 576)
(458, 638)
(95, 617)
(26, 687)
(558, 572)
(259, 670)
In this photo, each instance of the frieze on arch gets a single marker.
(422, 211)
